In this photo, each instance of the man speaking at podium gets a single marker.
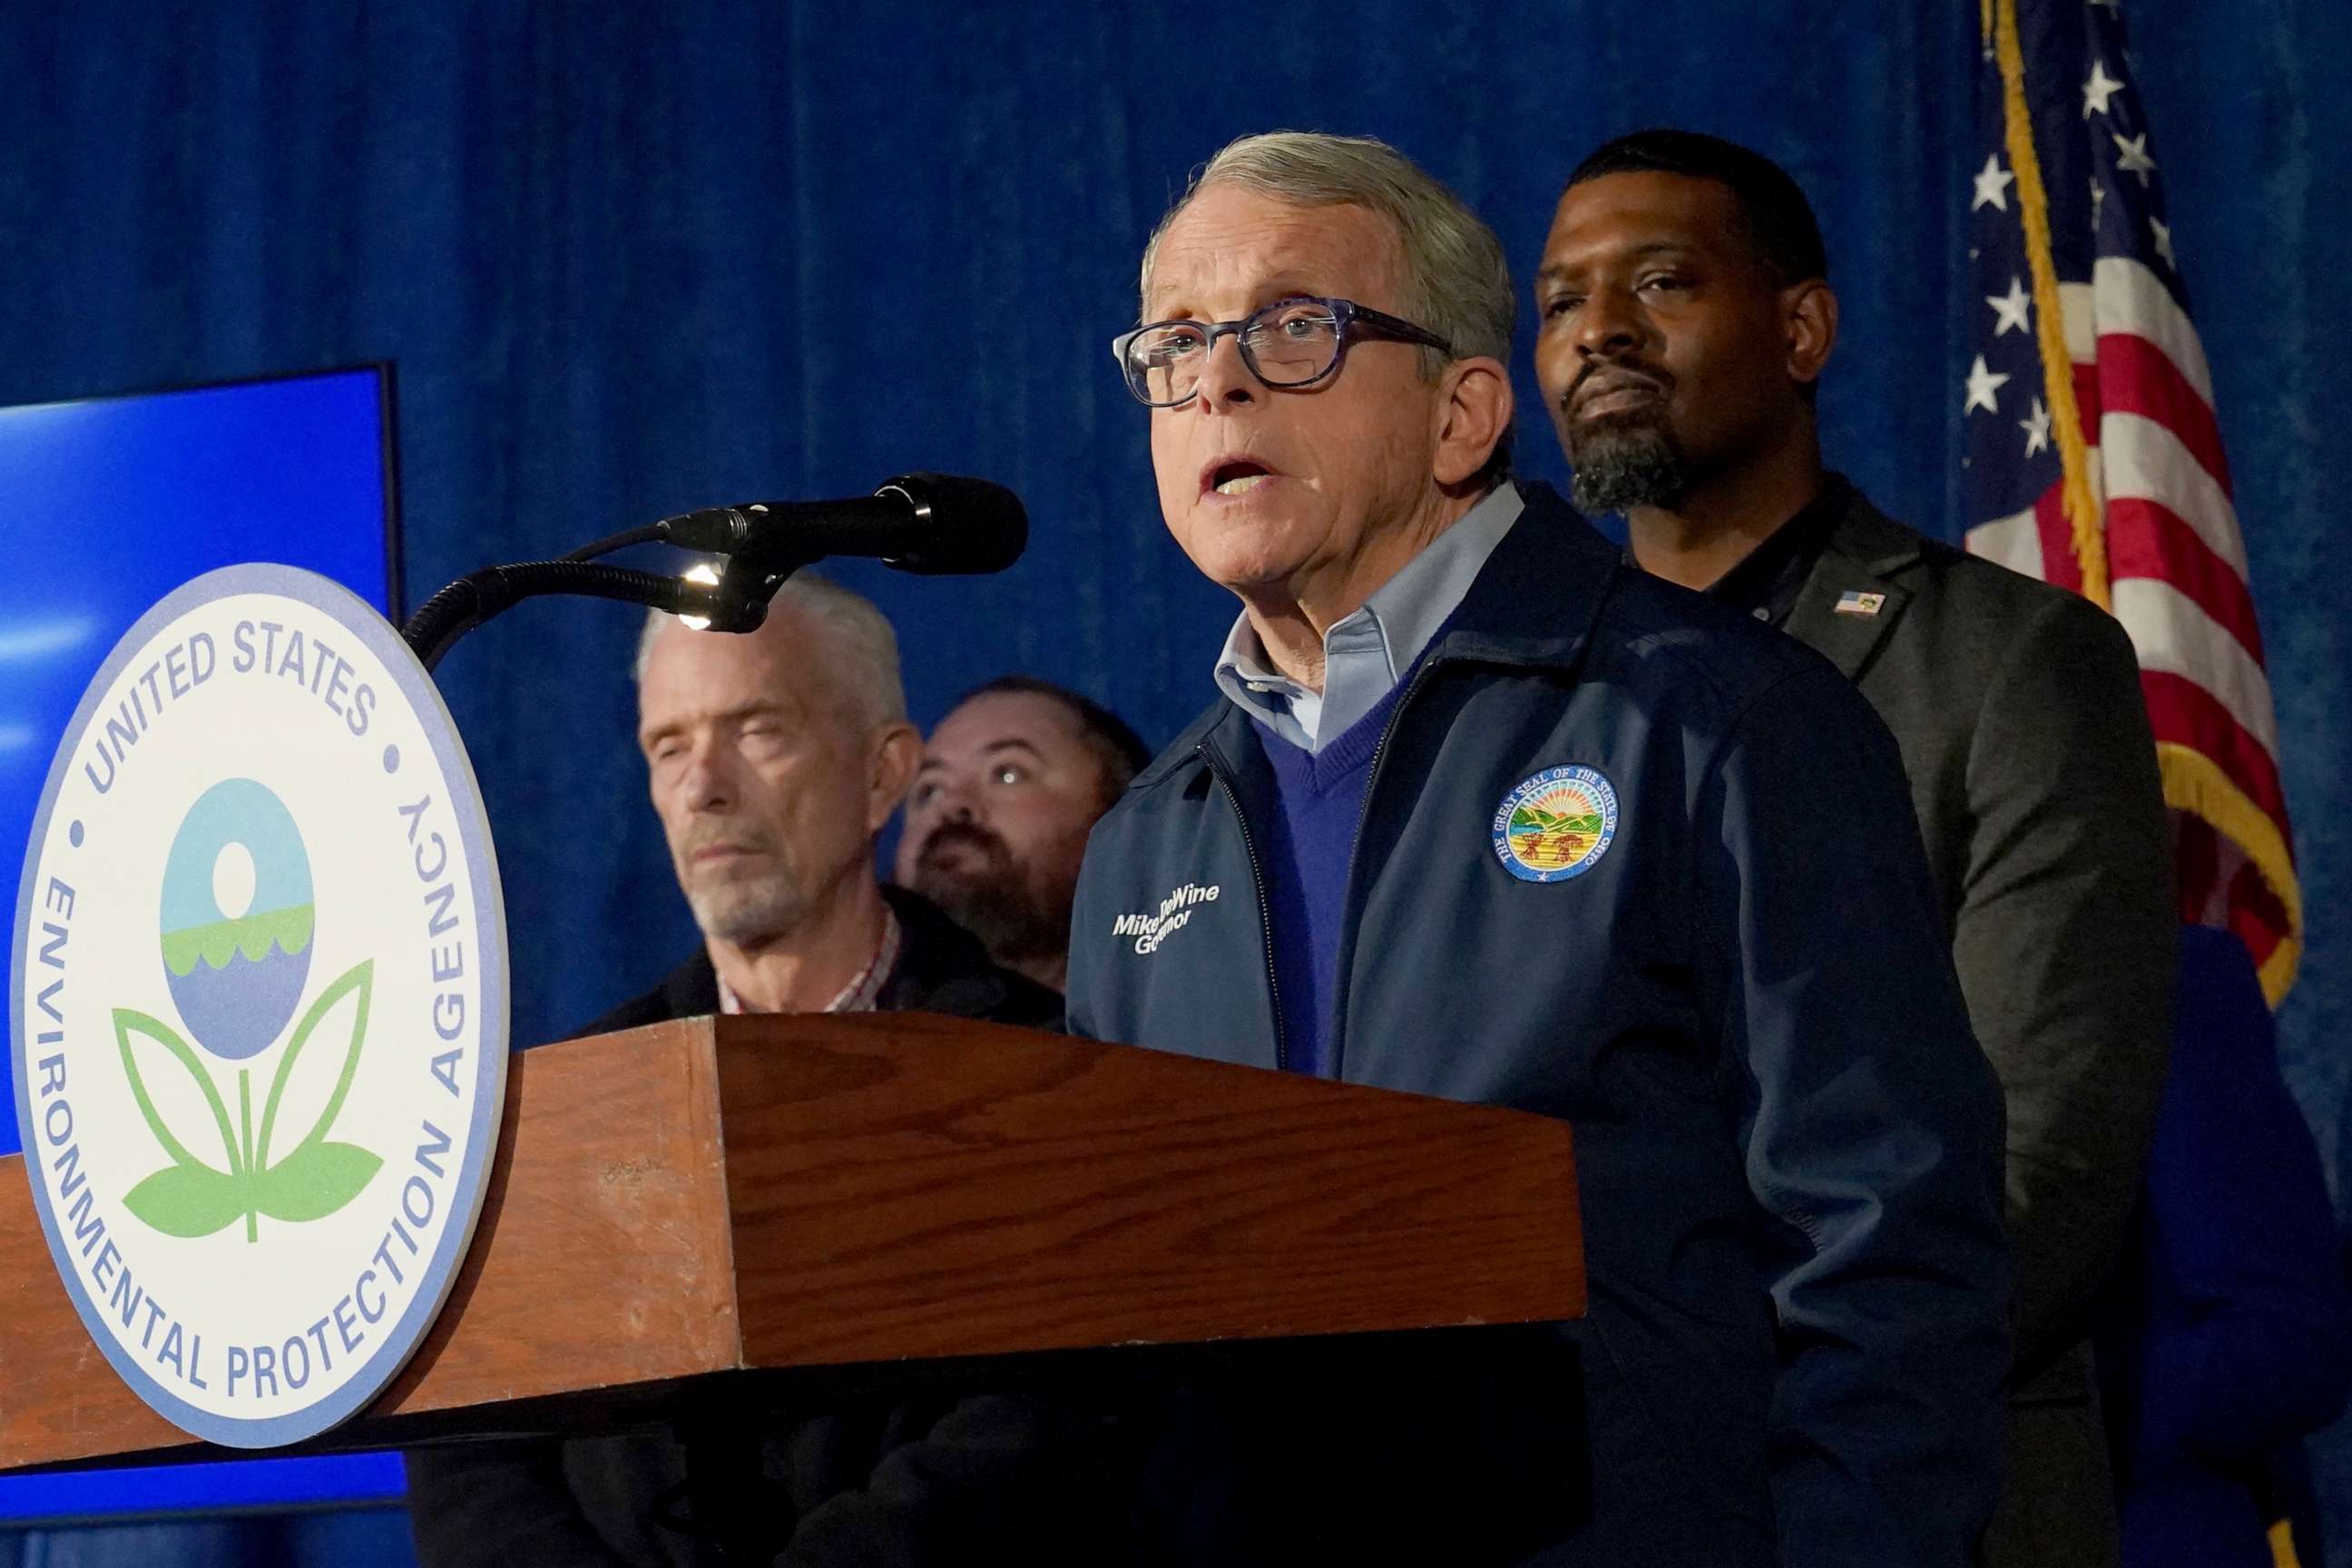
(775, 758)
(1482, 812)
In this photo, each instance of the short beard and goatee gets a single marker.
(1018, 920)
(743, 905)
(751, 912)
(1626, 460)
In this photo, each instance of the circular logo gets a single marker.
(1556, 824)
(259, 1162)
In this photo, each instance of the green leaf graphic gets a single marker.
(316, 1177)
(188, 1200)
(128, 1022)
(316, 1180)
(360, 977)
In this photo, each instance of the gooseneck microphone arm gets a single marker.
(929, 523)
(737, 603)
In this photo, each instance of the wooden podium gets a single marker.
(802, 1195)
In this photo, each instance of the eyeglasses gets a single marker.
(1290, 343)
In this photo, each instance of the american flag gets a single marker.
(2093, 458)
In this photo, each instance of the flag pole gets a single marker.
(2080, 501)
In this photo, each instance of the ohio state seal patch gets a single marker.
(1556, 824)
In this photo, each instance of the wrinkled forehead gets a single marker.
(1640, 212)
(1231, 243)
(693, 677)
(997, 719)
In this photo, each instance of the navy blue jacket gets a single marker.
(1789, 1145)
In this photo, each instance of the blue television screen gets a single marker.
(107, 504)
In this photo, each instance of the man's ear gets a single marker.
(1474, 413)
(1809, 313)
(892, 760)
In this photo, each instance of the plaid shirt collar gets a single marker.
(862, 993)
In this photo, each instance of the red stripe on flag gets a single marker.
(2059, 565)
(2186, 714)
(2089, 397)
(2135, 377)
(2147, 539)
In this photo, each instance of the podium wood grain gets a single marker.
(792, 1191)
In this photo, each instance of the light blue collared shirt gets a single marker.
(1365, 654)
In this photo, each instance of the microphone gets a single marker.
(929, 523)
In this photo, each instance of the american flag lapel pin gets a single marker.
(1854, 603)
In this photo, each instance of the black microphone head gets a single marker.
(714, 530)
(963, 525)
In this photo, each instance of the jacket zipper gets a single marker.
(1264, 914)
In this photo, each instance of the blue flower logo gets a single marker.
(237, 915)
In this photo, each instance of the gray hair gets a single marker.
(1456, 282)
(861, 651)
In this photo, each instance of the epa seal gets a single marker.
(1556, 826)
(259, 1006)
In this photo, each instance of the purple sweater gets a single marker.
(1320, 800)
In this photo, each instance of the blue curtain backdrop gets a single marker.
(630, 258)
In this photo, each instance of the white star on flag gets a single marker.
(2098, 194)
(2036, 426)
(2098, 90)
(2009, 310)
(1992, 183)
(1983, 382)
(2163, 233)
(2132, 156)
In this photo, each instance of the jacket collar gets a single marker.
(1534, 602)
(1864, 552)
(1541, 591)
(692, 988)
(942, 968)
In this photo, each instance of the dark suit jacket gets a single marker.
(2018, 711)
(875, 1481)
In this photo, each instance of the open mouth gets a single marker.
(1234, 476)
